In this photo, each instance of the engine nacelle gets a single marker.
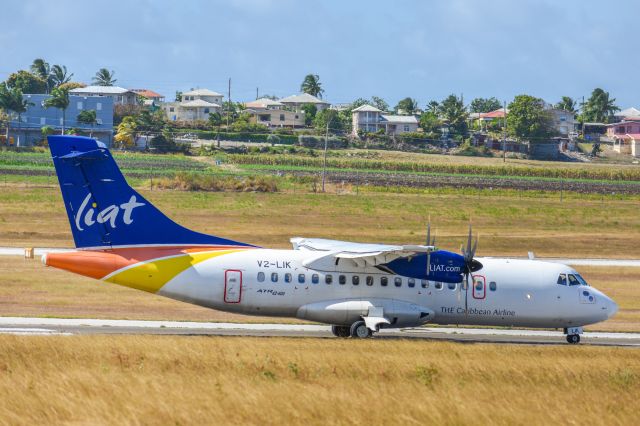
(346, 312)
(443, 266)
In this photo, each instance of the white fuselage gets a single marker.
(505, 292)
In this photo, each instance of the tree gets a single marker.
(310, 111)
(358, 103)
(528, 119)
(452, 110)
(88, 116)
(104, 77)
(379, 103)
(45, 131)
(215, 119)
(429, 122)
(311, 85)
(27, 82)
(40, 68)
(434, 107)
(59, 76)
(599, 107)
(126, 131)
(178, 96)
(407, 106)
(59, 99)
(484, 105)
(328, 117)
(13, 100)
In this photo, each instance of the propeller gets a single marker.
(430, 242)
(470, 265)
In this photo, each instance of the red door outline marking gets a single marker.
(226, 283)
(484, 287)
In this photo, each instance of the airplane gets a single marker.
(358, 289)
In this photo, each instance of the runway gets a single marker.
(62, 326)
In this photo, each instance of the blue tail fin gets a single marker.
(104, 211)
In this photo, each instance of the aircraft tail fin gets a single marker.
(103, 210)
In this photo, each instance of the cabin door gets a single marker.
(232, 286)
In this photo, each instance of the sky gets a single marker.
(425, 49)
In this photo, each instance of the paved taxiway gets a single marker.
(62, 326)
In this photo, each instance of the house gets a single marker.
(296, 102)
(485, 118)
(28, 131)
(119, 95)
(274, 114)
(369, 119)
(625, 136)
(150, 95)
(195, 105)
(564, 122)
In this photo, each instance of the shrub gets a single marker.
(318, 142)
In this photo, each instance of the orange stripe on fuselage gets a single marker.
(100, 263)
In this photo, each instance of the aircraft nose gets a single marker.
(612, 307)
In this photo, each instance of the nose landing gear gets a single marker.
(573, 334)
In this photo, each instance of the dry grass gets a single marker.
(222, 380)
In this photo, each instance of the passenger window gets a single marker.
(424, 283)
(452, 286)
(260, 277)
(397, 281)
(438, 285)
(562, 279)
(412, 282)
(301, 278)
(479, 284)
(384, 281)
(355, 280)
(493, 286)
(573, 280)
(342, 279)
(287, 278)
(274, 277)
(315, 279)
(328, 279)
(369, 280)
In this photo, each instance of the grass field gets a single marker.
(226, 380)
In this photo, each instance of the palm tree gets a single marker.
(88, 116)
(41, 68)
(311, 85)
(12, 100)
(104, 77)
(567, 104)
(433, 107)
(59, 75)
(599, 107)
(407, 106)
(59, 99)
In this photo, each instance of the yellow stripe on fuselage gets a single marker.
(152, 275)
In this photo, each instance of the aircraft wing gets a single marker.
(361, 254)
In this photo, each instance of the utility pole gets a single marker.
(326, 142)
(257, 92)
(504, 132)
(229, 103)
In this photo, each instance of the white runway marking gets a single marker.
(31, 331)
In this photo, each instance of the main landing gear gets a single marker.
(573, 338)
(357, 330)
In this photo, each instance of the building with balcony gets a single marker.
(369, 119)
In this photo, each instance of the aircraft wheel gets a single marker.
(573, 338)
(359, 330)
(340, 331)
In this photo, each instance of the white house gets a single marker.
(195, 105)
(274, 113)
(564, 121)
(120, 95)
(367, 118)
(296, 102)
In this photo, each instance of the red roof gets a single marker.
(499, 113)
(147, 93)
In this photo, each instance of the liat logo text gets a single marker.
(88, 215)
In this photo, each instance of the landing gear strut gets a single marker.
(360, 330)
(341, 330)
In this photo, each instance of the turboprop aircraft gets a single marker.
(122, 238)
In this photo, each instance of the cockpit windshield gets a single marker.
(571, 279)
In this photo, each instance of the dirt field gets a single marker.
(273, 381)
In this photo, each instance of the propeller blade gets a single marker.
(429, 231)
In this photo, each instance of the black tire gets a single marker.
(359, 330)
(341, 330)
(573, 338)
